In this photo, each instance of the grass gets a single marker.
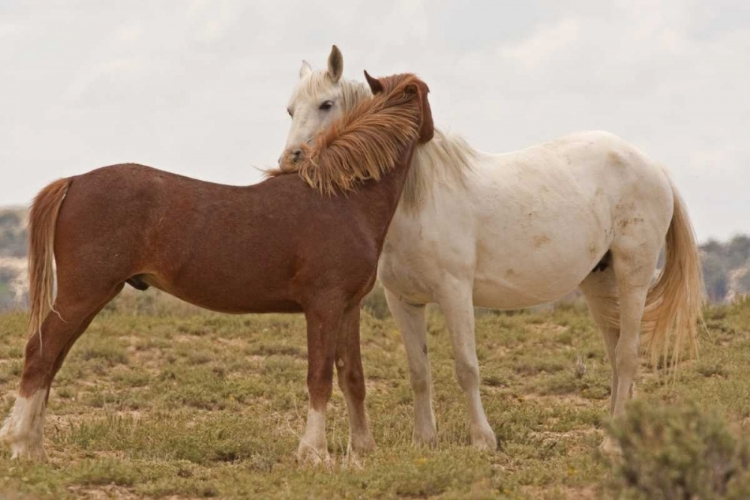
(160, 400)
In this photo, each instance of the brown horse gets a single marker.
(293, 243)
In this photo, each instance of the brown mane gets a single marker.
(364, 144)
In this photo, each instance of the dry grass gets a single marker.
(160, 400)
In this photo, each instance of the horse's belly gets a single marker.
(539, 271)
(517, 290)
(223, 296)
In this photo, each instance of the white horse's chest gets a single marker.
(411, 256)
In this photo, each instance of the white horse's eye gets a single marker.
(326, 105)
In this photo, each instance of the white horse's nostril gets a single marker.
(297, 153)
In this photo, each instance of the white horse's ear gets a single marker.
(335, 64)
(305, 70)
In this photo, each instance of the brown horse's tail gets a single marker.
(674, 302)
(42, 222)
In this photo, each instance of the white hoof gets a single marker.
(310, 455)
(313, 448)
(23, 430)
(609, 448)
(425, 437)
(484, 439)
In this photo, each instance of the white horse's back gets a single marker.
(548, 210)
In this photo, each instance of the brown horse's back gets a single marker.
(206, 243)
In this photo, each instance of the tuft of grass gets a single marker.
(108, 353)
(105, 472)
(712, 369)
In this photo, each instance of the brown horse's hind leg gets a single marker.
(323, 324)
(23, 430)
(352, 381)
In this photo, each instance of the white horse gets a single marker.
(513, 230)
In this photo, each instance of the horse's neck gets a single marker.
(378, 200)
(439, 164)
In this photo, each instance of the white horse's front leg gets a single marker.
(456, 301)
(410, 320)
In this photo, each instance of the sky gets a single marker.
(201, 87)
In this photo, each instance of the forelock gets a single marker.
(313, 86)
(318, 85)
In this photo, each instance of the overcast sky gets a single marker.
(201, 87)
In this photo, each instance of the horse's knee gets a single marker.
(352, 382)
(626, 357)
(467, 374)
(420, 379)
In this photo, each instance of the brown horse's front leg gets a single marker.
(352, 381)
(323, 324)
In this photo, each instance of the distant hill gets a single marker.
(12, 257)
(13, 232)
(726, 266)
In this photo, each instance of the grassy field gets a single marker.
(164, 401)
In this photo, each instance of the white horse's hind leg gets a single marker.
(628, 278)
(410, 320)
(600, 290)
(458, 308)
(23, 430)
(634, 271)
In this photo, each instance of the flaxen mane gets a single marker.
(364, 144)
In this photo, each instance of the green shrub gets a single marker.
(678, 452)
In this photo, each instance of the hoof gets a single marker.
(484, 439)
(609, 448)
(309, 455)
(23, 430)
(361, 444)
(425, 439)
(31, 454)
(23, 450)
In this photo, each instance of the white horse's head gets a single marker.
(320, 97)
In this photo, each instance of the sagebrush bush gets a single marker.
(678, 452)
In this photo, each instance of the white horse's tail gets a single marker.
(673, 306)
